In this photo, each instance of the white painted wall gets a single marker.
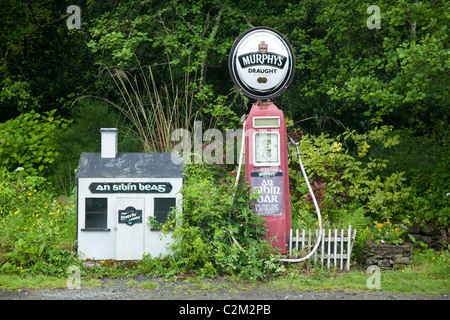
(103, 245)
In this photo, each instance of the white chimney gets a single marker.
(109, 142)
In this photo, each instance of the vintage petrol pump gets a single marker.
(266, 167)
(262, 64)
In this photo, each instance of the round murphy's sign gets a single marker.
(261, 63)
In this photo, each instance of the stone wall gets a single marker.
(427, 234)
(388, 256)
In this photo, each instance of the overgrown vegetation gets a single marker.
(37, 230)
(369, 108)
(226, 237)
(427, 275)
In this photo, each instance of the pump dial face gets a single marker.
(267, 151)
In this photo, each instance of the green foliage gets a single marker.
(154, 110)
(436, 264)
(352, 73)
(44, 65)
(345, 71)
(388, 233)
(219, 234)
(175, 41)
(422, 208)
(83, 135)
(12, 183)
(425, 163)
(351, 189)
(37, 232)
(175, 29)
(339, 178)
(15, 94)
(26, 142)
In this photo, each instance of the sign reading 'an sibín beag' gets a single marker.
(130, 187)
(261, 63)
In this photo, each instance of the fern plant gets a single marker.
(353, 214)
(362, 236)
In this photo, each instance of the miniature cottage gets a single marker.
(118, 195)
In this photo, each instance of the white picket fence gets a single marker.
(334, 250)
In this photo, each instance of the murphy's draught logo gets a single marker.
(263, 59)
(261, 63)
(262, 47)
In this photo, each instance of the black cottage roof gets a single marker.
(129, 165)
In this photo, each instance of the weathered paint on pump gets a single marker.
(273, 179)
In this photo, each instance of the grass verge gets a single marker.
(428, 275)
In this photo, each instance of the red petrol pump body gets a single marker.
(262, 65)
(266, 169)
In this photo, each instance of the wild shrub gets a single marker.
(26, 142)
(37, 230)
(338, 177)
(218, 233)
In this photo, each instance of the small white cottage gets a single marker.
(117, 195)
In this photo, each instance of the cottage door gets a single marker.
(130, 228)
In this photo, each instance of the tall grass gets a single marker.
(155, 110)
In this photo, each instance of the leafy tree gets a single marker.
(43, 64)
(398, 73)
(185, 42)
(345, 71)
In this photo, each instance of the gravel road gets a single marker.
(153, 288)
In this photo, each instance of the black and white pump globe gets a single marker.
(261, 63)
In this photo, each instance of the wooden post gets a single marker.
(342, 248)
(303, 239)
(329, 248)
(335, 247)
(349, 249)
(290, 242)
(323, 247)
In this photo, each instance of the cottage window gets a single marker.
(162, 207)
(96, 213)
